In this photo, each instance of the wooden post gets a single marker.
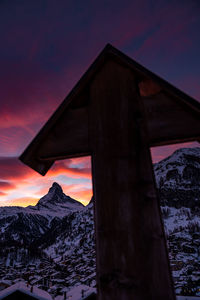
(132, 260)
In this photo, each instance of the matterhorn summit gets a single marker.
(56, 200)
(56, 188)
(28, 223)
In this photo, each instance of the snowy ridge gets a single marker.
(178, 178)
(182, 168)
(22, 287)
(178, 183)
(57, 201)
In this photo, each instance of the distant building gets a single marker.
(80, 292)
(20, 291)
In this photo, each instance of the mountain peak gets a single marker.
(56, 188)
(56, 185)
(55, 198)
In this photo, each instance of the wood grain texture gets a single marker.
(132, 261)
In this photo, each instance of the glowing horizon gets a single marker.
(22, 186)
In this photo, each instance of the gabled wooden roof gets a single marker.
(41, 163)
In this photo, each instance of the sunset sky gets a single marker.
(47, 45)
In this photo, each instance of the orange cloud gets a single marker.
(23, 201)
(2, 194)
(20, 179)
(12, 169)
(71, 168)
(7, 185)
(83, 196)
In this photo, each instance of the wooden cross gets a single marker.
(116, 112)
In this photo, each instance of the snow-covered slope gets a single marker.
(25, 224)
(178, 183)
(71, 244)
(56, 203)
(178, 178)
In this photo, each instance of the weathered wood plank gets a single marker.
(132, 261)
(70, 135)
(169, 120)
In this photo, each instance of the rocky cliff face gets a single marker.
(178, 179)
(178, 183)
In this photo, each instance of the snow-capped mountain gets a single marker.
(63, 230)
(25, 224)
(53, 240)
(56, 203)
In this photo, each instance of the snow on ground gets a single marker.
(187, 298)
(22, 287)
(178, 218)
(79, 292)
